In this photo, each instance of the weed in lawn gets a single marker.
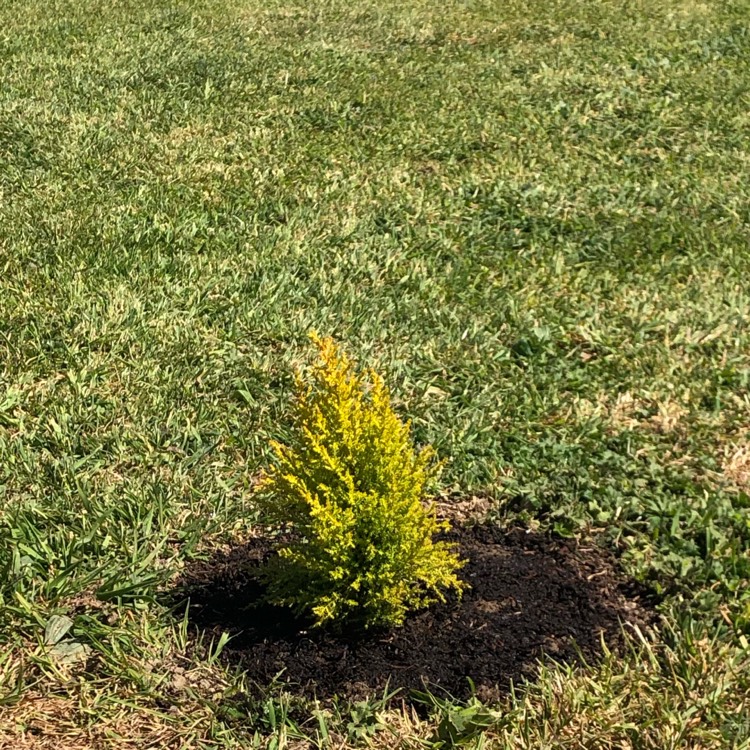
(458, 723)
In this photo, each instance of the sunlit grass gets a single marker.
(532, 218)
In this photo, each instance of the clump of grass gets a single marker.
(350, 488)
(691, 693)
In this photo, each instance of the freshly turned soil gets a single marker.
(531, 596)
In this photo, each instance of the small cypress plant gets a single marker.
(349, 489)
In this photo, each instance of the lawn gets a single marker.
(533, 218)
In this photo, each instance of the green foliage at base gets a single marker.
(351, 489)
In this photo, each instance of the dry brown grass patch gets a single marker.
(84, 720)
(736, 467)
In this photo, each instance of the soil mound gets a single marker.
(531, 595)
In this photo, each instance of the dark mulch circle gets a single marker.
(531, 595)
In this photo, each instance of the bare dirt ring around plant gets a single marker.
(530, 596)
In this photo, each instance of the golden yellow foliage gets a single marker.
(350, 488)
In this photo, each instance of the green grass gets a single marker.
(533, 218)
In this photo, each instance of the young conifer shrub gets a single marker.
(349, 489)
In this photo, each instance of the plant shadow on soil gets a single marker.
(531, 595)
